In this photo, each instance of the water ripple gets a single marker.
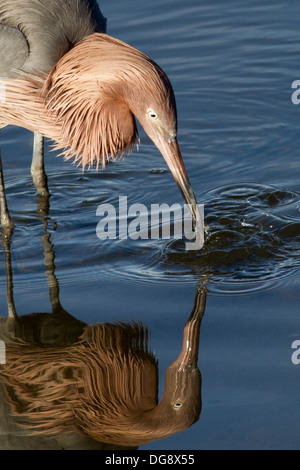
(253, 242)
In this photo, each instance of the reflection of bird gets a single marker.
(106, 385)
(62, 376)
(82, 88)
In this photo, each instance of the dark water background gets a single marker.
(231, 65)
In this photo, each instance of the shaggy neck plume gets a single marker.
(88, 101)
(92, 93)
(96, 123)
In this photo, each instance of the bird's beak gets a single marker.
(172, 155)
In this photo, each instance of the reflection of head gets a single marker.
(106, 385)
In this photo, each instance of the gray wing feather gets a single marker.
(35, 34)
(14, 51)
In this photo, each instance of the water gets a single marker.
(232, 70)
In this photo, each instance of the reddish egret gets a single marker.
(64, 78)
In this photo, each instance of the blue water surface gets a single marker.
(232, 65)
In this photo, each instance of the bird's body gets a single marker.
(73, 83)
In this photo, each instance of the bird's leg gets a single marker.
(6, 222)
(37, 166)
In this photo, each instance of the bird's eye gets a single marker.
(177, 405)
(152, 113)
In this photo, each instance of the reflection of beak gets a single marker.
(172, 155)
(191, 333)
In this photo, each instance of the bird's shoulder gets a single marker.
(35, 34)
